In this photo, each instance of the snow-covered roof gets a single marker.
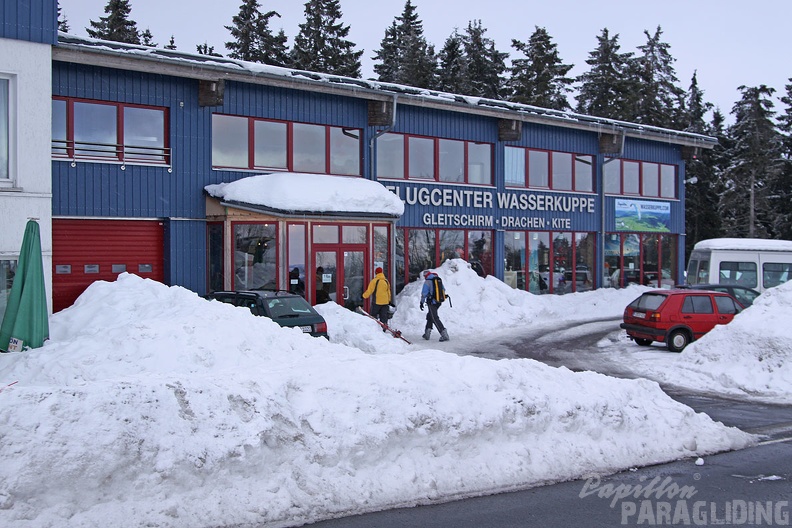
(296, 192)
(745, 244)
(210, 67)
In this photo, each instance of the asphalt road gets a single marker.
(750, 487)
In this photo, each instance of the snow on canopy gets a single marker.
(321, 193)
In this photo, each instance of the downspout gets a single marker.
(372, 171)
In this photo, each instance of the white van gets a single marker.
(751, 262)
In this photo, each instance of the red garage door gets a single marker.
(84, 251)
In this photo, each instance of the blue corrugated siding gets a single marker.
(185, 254)
(33, 21)
(104, 189)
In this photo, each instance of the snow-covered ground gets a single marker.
(151, 406)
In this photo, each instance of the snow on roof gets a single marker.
(743, 244)
(318, 193)
(561, 118)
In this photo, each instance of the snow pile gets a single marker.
(749, 356)
(152, 406)
(482, 305)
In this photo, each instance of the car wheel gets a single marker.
(677, 340)
(643, 342)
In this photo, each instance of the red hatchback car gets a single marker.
(677, 317)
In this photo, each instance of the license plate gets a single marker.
(639, 315)
(306, 329)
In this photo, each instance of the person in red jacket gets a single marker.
(380, 288)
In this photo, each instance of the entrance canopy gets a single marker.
(301, 193)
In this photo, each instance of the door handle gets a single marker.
(346, 292)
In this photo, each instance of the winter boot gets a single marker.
(444, 335)
(426, 333)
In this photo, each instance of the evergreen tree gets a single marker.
(171, 44)
(147, 39)
(755, 165)
(321, 44)
(540, 78)
(116, 26)
(452, 74)
(701, 184)
(206, 49)
(782, 189)
(605, 87)
(63, 24)
(253, 39)
(659, 98)
(405, 56)
(486, 64)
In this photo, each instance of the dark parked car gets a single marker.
(285, 308)
(745, 296)
(677, 317)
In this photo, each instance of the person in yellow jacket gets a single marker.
(380, 288)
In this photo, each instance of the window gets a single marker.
(108, 131)
(255, 256)
(653, 180)
(560, 171)
(697, 304)
(742, 273)
(433, 159)
(251, 143)
(726, 305)
(775, 273)
(5, 130)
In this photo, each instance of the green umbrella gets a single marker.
(26, 321)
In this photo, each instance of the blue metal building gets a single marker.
(549, 202)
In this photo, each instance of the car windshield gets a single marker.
(648, 301)
(288, 307)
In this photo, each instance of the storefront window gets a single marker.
(539, 262)
(668, 261)
(514, 248)
(381, 245)
(296, 258)
(480, 251)
(325, 234)
(421, 249)
(214, 238)
(562, 263)
(585, 261)
(649, 261)
(255, 256)
(354, 234)
(630, 272)
(452, 244)
(399, 262)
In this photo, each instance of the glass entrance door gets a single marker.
(340, 277)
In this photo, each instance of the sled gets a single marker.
(394, 333)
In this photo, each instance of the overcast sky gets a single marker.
(729, 42)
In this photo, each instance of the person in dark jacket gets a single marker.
(380, 288)
(433, 305)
